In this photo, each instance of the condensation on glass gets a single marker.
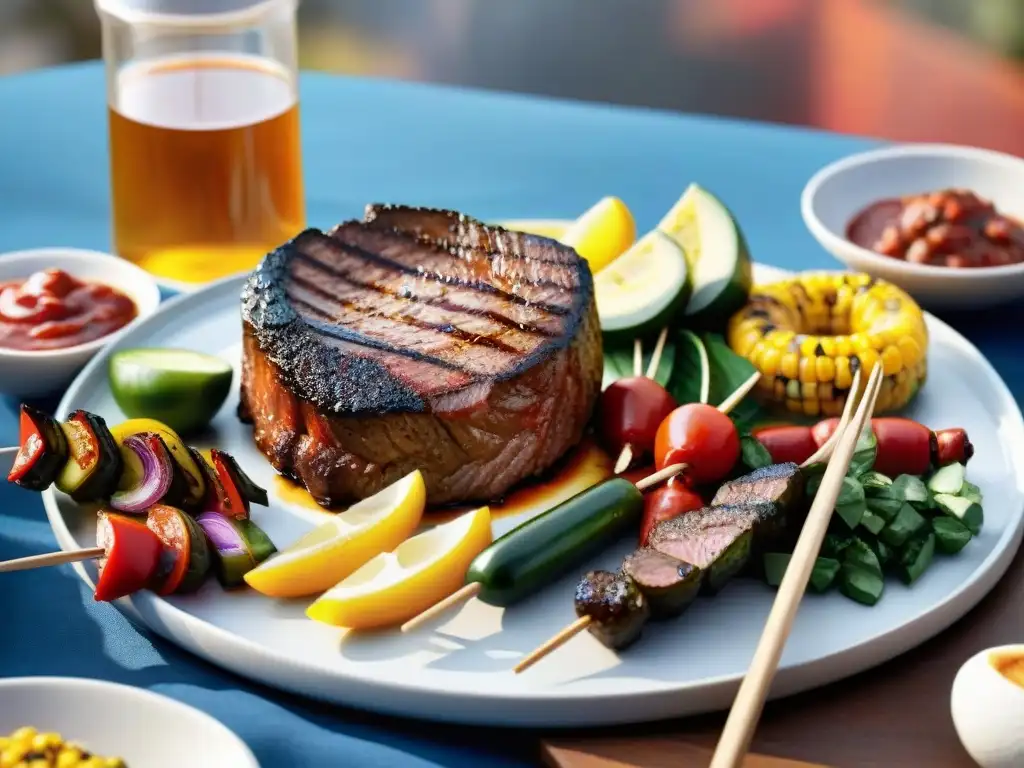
(205, 162)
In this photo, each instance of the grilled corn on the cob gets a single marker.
(808, 335)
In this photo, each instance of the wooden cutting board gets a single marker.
(894, 715)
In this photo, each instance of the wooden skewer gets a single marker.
(659, 350)
(823, 453)
(52, 558)
(626, 454)
(570, 631)
(746, 709)
(471, 590)
(12, 451)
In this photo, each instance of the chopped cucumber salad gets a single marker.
(884, 525)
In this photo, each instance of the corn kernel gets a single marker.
(808, 390)
(910, 351)
(891, 361)
(780, 390)
(754, 355)
(4, 743)
(44, 741)
(868, 360)
(809, 346)
(24, 733)
(811, 407)
(12, 756)
(780, 339)
(825, 369)
(807, 370)
(794, 406)
(843, 378)
(825, 391)
(790, 365)
(793, 390)
(770, 359)
(92, 762)
(68, 759)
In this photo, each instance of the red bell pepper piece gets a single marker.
(133, 554)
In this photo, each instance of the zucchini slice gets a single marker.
(94, 463)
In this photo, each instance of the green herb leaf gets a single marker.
(860, 555)
(851, 492)
(872, 481)
(971, 492)
(884, 506)
(691, 373)
(910, 488)
(872, 521)
(852, 513)
(864, 452)
(753, 454)
(728, 372)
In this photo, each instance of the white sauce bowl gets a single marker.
(839, 191)
(29, 374)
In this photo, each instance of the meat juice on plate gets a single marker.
(205, 164)
(583, 467)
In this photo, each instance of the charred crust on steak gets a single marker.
(342, 368)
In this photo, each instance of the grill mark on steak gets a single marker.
(398, 286)
(377, 311)
(389, 248)
(418, 343)
(535, 281)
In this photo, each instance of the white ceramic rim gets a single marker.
(196, 23)
(255, 662)
(837, 241)
(147, 284)
(128, 692)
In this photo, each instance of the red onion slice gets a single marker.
(222, 534)
(157, 472)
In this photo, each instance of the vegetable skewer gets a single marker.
(746, 710)
(609, 592)
(630, 496)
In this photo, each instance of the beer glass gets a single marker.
(203, 110)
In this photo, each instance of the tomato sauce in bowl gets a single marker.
(949, 228)
(52, 309)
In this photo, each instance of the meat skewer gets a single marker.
(630, 501)
(746, 710)
(615, 607)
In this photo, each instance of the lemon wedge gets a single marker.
(603, 233)
(396, 586)
(332, 551)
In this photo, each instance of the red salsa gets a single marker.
(52, 310)
(950, 228)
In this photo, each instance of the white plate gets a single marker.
(462, 672)
(146, 729)
(836, 193)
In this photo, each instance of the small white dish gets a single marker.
(839, 191)
(33, 374)
(143, 728)
(988, 710)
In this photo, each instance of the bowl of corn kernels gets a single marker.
(57, 722)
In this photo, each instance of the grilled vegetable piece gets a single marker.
(132, 556)
(186, 557)
(616, 606)
(717, 540)
(530, 556)
(238, 546)
(94, 464)
(669, 585)
(43, 450)
(152, 473)
(228, 489)
(916, 557)
(190, 473)
(809, 334)
(823, 574)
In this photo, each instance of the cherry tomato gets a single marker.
(700, 436)
(133, 554)
(951, 446)
(631, 410)
(665, 502)
(788, 443)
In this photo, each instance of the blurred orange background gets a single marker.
(938, 70)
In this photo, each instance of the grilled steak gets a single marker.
(418, 339)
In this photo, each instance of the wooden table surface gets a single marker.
(895, 715)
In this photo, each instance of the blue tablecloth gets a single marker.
(494, 156)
